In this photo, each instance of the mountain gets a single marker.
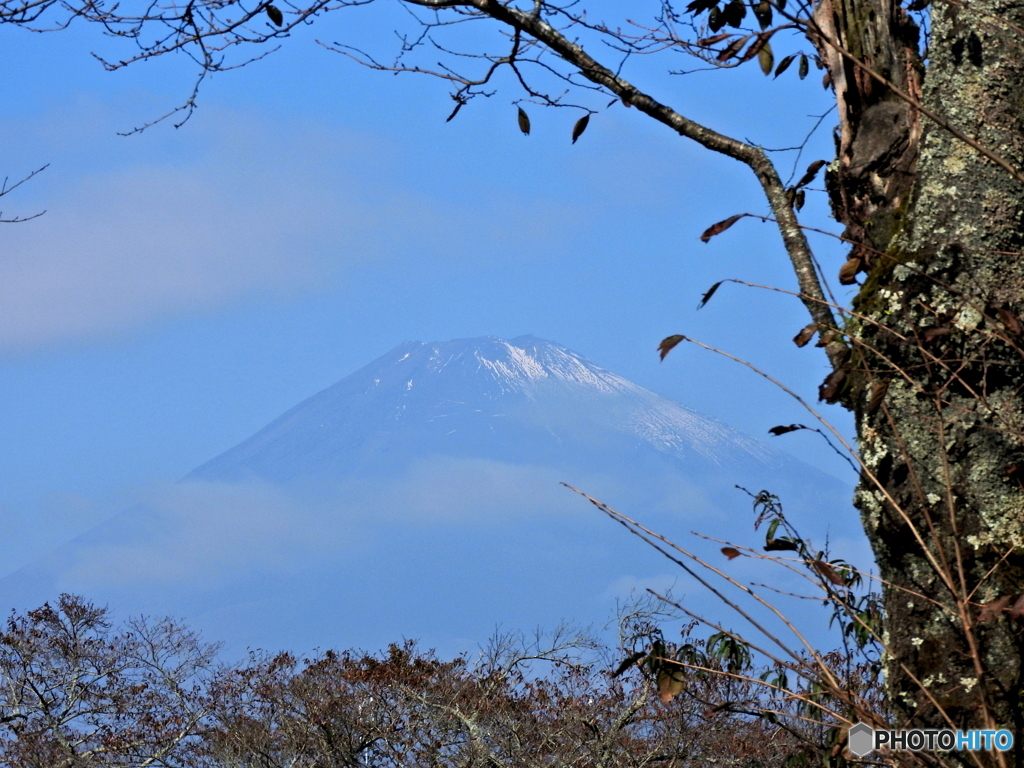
(523, 400)
(420, 497)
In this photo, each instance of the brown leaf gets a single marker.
(828, 572)
(805, 335)
(580, 127)
(1008, 319)
(827, 337)
(826, 80)
(812, 171)
(731, 552)
(878, 390)
(1017, 609)
(800, 198)
(670, 684)
(780, 545)
(669, 343)
(707, 42)
(783, 430)
(733, 48)
(720, 227)
(830, 386)
(848, 272)
(274, 14)
(524, 122)
(710, 292)
(933, 333)
(990, 611)
(628, 662)
(755, 47)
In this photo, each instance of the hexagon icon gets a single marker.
(861, 739)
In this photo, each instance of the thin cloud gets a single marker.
(118, 249)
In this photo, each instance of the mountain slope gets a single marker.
(420, 497)
(523, 399)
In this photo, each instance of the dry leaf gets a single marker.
(709, 294)
(848, 272)
(783, 430)
(732, 49)
(780, 545)
(669, 343)
(720, 227)
(707, 42)
(274, 14)
(580, 127)
(805, 335)
(524, 122)
(812, 171)
(670, 684)
(1016, 610)
(828, 572)
(731, 552)
(933, 333)
(830, 386)
(1011, 322)
(455, 111)
(990, 611)
(878, 390)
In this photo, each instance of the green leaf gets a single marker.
(734, 13)
(804, 68)
(766, 59)
(784, 64)
(763, 13)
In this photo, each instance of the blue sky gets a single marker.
(187, 286)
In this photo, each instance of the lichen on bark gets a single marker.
(940, 497)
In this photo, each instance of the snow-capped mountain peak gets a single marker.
(507, 399)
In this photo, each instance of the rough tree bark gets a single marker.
(936, 370)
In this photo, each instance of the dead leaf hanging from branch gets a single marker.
(720, 227)
(669, 343)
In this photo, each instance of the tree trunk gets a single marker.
(937, 365)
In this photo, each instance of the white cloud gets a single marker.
(118, 248)
(199, 532)
(209, 532)
(233, 206)
(451, 490)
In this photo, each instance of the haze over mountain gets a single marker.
(420, 497)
